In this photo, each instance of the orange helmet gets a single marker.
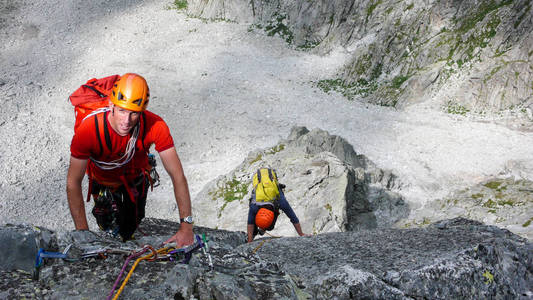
(264, 218)
(130, 92)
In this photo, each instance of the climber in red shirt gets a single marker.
(112, 146)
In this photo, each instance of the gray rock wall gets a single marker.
(468, 56)
(453, 259)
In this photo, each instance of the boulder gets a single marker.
(330, 187)
(20, 244)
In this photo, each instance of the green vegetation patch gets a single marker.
(276, 149)
(509, 202)
(230, 191)
(180, 4)
(484, 8)
(307, 45)
(455, 108)
(477, 196)
(398, 81)
(371, 7)
(277, 27)
(360, 88)
(256, 159)
(490, 204)
(493, 185)
(527, 223)
(466, 39)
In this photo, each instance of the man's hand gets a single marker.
(183, 237)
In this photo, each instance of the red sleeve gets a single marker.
(158, 132)
(84, 140)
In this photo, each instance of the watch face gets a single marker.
(188, 219)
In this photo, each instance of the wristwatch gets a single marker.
(187, 219)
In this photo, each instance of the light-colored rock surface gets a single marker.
(506, 203)
(217, 84)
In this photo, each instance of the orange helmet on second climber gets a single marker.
(264, 218)
(130, 92)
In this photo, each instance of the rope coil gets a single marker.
(130, 147)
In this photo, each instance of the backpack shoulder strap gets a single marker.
(143, 117)
(98, 134)
(106, 133)
(107, 137)
(270, 175)
(258, 175)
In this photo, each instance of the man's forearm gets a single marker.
(250, 230)
(298, 229)
(77, 208)
(183, 198)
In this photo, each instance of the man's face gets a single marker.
(123, 120)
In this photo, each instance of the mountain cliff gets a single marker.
(464, 57)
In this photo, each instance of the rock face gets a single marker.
(452, 259)
(469, 56)
(507, 203)
(329, 186)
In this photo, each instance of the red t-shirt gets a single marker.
(85, 144)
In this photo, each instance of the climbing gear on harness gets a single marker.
(264, 218)
(154, 176)
(115, 212)
(265, 183)
(130, 92)
(106, 212)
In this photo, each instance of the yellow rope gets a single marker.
(154, 253)
(265, 240)
(260, 244)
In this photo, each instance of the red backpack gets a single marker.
(91, 96)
